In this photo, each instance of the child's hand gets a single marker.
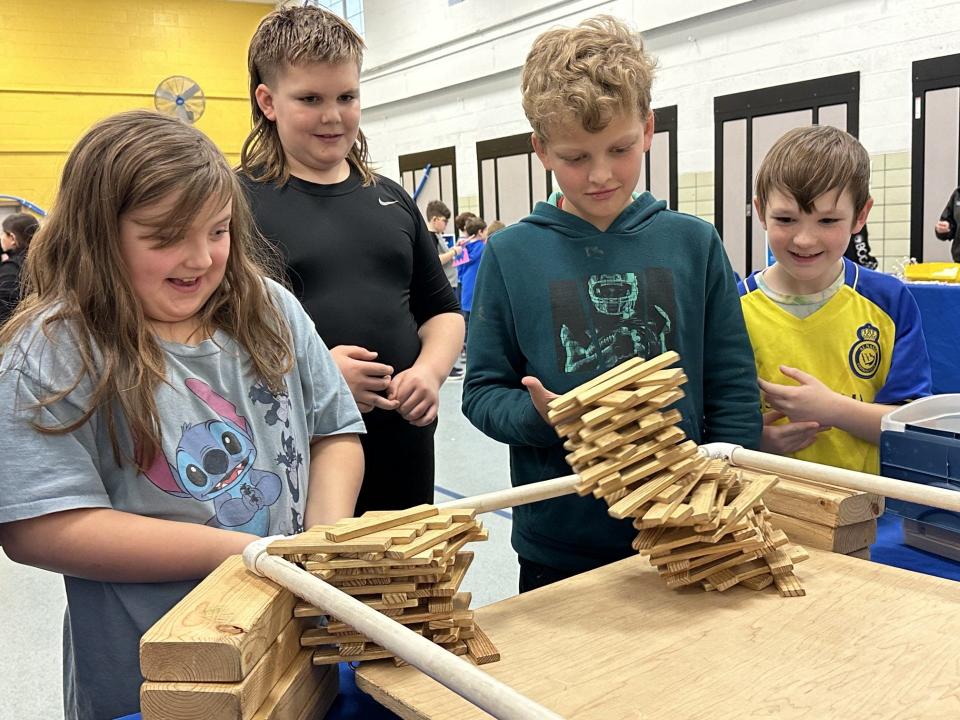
(540, 396)
(810, 401)
(787, 438)
(942, 227)
(416, 392)
(365, 378)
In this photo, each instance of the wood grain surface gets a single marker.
(867, 641)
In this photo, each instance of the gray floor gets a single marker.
(32, 601)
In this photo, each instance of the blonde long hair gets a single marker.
(286, 37)
(76, 279)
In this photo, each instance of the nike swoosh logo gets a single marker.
(387, 202)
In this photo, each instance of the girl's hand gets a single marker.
(365, 378)
(540, 396)
(942, 226)
(416, 392)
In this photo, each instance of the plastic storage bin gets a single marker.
(920, 442)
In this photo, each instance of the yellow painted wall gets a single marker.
(66, 63)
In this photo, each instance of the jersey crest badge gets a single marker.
(864, 356)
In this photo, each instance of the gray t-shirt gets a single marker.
(448, 269)
(234, 456)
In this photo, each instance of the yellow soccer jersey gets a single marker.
(866, 342)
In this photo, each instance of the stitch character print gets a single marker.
(214, 462)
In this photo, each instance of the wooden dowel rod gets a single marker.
(455, 673)
(500, 499)
(877, 484)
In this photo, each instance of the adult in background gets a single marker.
(946, 227)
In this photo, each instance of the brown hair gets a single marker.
(460, 220)
(437, 208)
(809, 161)
(23, 227)
(589, 74)
(474, 225)
(287, 37)
(76, 281)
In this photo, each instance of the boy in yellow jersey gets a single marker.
(837, 346)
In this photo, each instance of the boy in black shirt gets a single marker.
(358, 253)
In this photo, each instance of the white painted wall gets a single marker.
(437, 76)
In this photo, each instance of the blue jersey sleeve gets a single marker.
(909, 375)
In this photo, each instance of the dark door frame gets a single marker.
(933, 74)
(436, 158)
(804, 95)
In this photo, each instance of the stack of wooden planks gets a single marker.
(240, 647)
(824, 516)
(230, 650)
(701, 522)
(408, 565)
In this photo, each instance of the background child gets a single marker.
(836, 345)
(460, 222)
(168, 404)
(358, 253)
(16, 231)
(493, 227)
(472, 243)
(569, 292)
(438, 217)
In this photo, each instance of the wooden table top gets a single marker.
(867, 641)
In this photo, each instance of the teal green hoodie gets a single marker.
(560, 300)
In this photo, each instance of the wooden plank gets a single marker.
(788, 585)
(570, 398)
(219, 631)
(588, 395)
(429, 539)
(594, 419)
(842, 539)
(218, 700)
(744, 501)
(297, 688)
(822, 504)
(323, 698)
(365, 526)
(482, 650)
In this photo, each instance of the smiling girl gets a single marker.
(167, 403)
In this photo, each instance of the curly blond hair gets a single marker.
(590, 74)
(809, 161)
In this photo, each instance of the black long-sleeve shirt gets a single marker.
(10, 285)
(360, 259)
(951, 215)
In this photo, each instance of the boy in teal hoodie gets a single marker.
(596, 278)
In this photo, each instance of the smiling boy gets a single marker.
(358, 254)
(837, 346)
(596, 278)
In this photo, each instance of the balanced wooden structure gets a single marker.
(407, 564)
(700, 521)
(240, 647)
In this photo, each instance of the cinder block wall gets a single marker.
(66, 63)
